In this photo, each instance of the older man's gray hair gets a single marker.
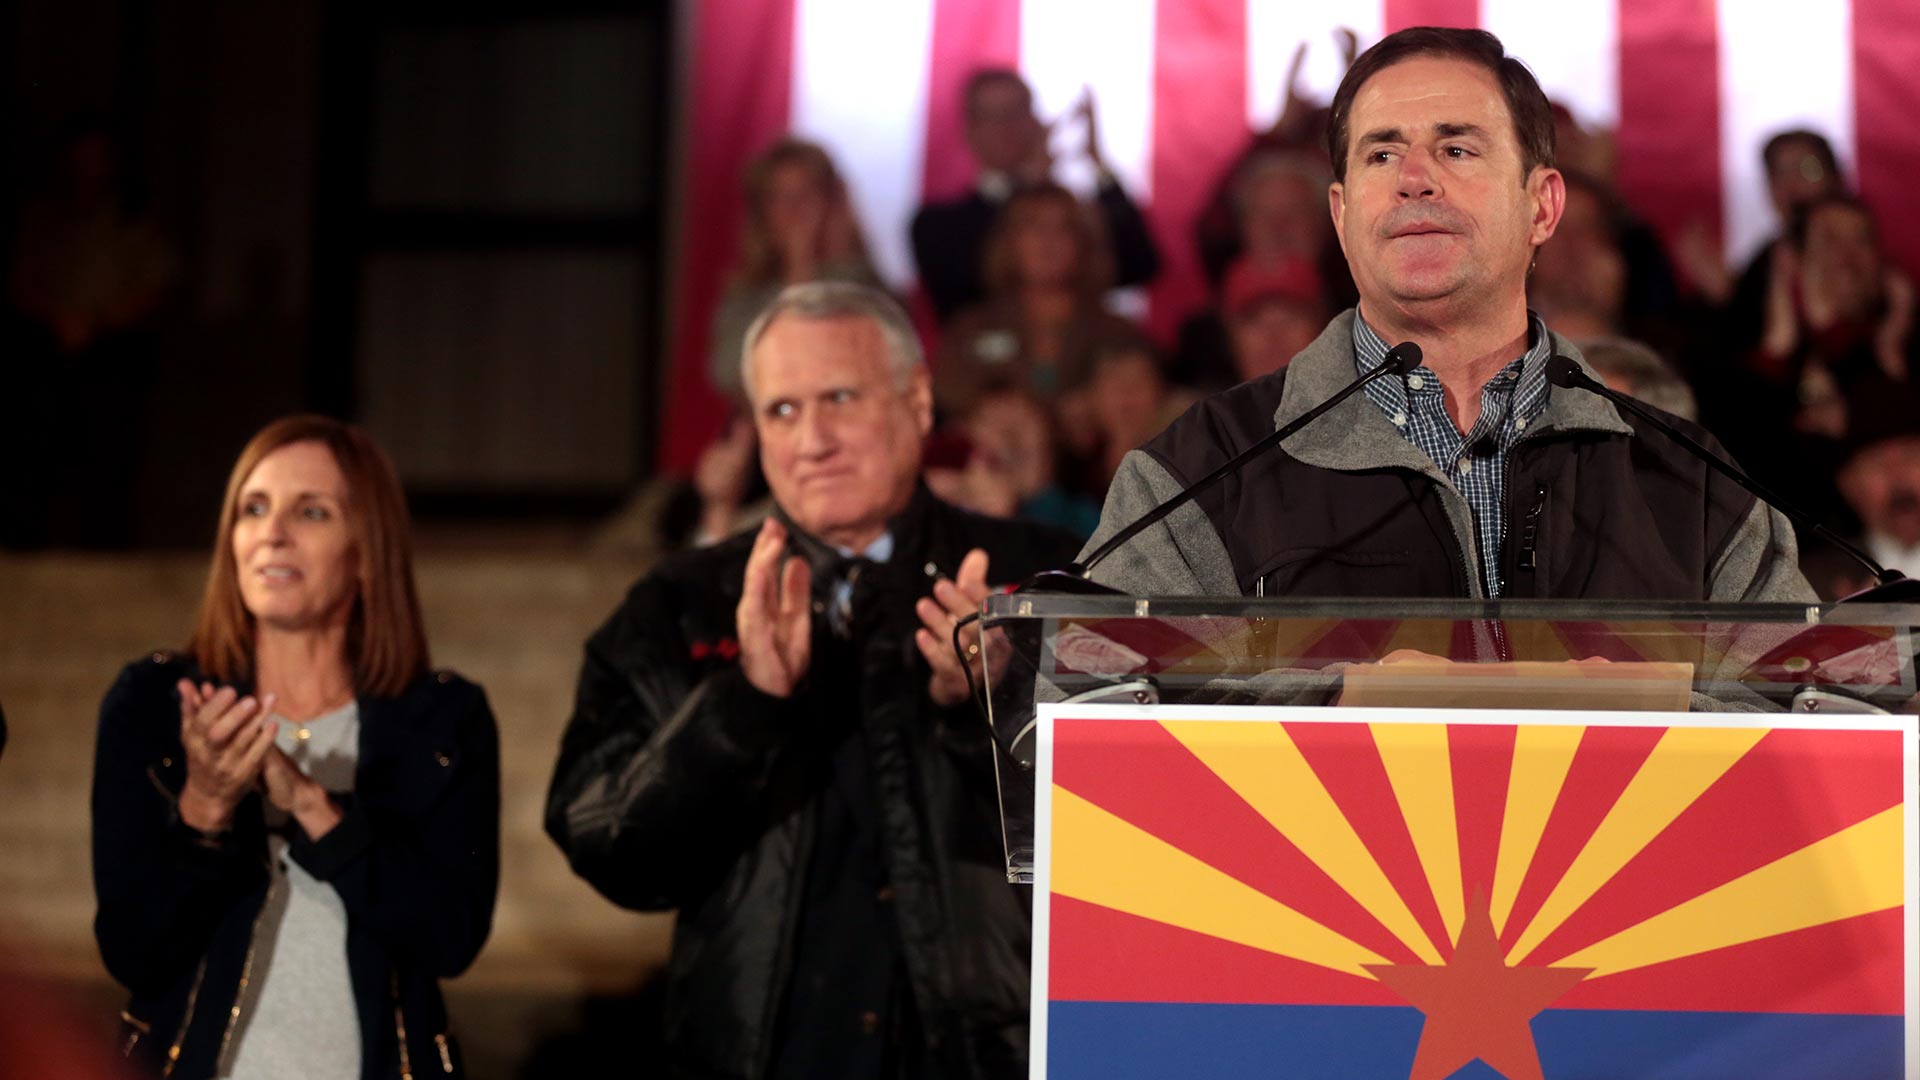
(1633, 368)
(840, 300)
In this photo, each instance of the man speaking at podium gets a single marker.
(1469, 476)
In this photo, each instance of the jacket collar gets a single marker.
(908, 527)
(1355, 436)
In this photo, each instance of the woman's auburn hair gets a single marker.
(386, 637)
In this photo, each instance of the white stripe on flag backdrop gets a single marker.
(1692, 88)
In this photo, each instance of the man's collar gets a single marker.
(879, 551)
(1528, 370)
(1368, 345)
(902, 532)
(1356, 435)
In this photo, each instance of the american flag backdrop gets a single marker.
(1690, 87)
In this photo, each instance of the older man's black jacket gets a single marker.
(680, 785)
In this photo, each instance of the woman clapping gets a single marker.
(295, 822)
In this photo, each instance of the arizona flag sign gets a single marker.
(1281, 892)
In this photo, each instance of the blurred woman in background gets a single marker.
(1047, 269)
(800, 227)
(295, 821)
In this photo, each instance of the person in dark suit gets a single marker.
(774, 736)
(1010, 143)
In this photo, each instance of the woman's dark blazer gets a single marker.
(415, 858)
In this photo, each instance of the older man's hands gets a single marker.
(776, 643)
(773, 621)
(952, 601)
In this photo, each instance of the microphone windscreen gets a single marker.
(1402, 358)
(1563, 372)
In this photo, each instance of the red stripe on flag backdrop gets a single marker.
(739, 85)
(1886, 49)
(1199, 125)
(1400, 14)
(966, 36)
(1669, 135)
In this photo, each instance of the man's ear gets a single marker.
(1336, 205)
(1548, 190)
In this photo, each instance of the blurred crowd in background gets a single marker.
(89, 272)
(1800, 362)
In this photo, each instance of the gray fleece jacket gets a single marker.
(1598, 506)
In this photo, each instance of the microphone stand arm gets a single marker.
(1400, 358)
(1570, 375)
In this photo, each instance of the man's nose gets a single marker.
(1417, 179)
(817, 436)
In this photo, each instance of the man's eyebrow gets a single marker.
(1441, 130)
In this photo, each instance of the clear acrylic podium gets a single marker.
(1275, 837)
(1054, 647)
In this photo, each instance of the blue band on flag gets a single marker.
(1124, 1040)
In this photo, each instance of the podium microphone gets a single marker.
(1893, 586)
(1077, 577)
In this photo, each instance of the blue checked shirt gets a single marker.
(1477, 462)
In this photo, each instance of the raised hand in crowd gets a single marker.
(1782, 333)
(1090, 120)
(773, 618)
(1349, 45)
(1298, 113)
(952, 601)
(1037, 166)
(227, 738)
(1697, 255)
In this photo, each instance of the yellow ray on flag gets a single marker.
(1264, 766)
(1542, 754)
(1684, 764)
(1856, 871)
(1421, 771)
(1103, 859)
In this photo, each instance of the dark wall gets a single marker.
(442, 226)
